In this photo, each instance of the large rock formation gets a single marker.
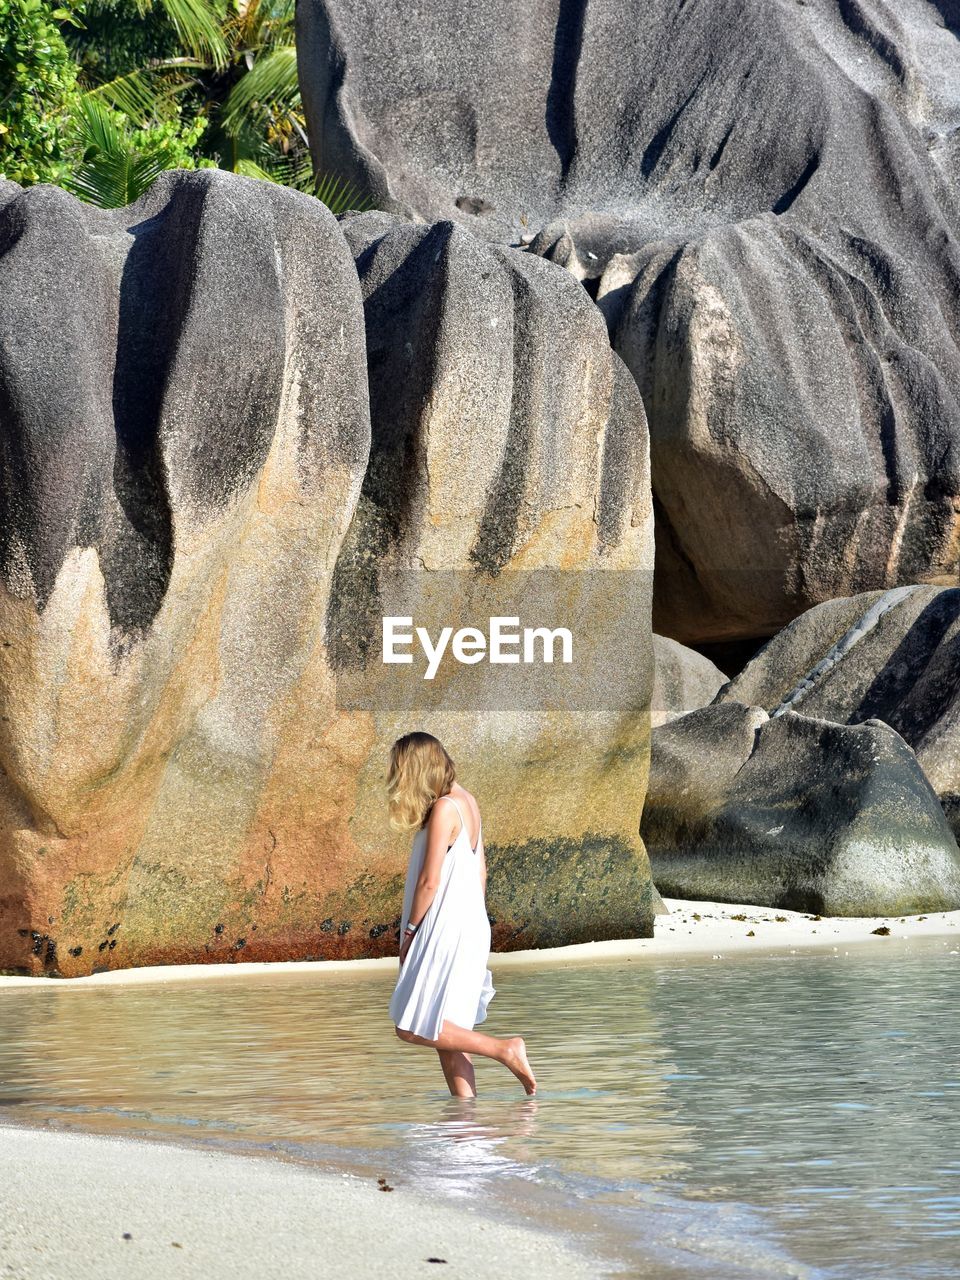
(805, 429)
(762, 198)
(621, 123)
(185, 429)
(192, 756)
(798, 813)
(891, 656)
(509, 458)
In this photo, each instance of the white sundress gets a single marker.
(444, 977)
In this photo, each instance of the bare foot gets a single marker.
(516, 1060)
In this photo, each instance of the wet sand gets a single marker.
(691, 929)
(68, 1201)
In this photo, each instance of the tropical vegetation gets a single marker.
(100, 96)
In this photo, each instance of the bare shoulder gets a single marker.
(462, 795)
(444, 815)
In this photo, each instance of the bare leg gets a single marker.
(511, 1052)
(458, 1073)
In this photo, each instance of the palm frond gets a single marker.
(256, 24)
(104, 180)
(112, 172)
(276, 11)
(98, 130)
(250, 169)
(271, 81)
(242, 23)
(198, 26)
(293, 171)
(337, 193)
(134, 94)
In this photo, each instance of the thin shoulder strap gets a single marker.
(463, 825)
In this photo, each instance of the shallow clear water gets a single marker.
(795, 1115)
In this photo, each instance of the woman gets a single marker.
(444, 985)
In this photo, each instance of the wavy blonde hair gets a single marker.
(420, 772)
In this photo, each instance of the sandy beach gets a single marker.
(76, 1206)
(690, 930)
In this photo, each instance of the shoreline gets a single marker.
(691, 930)
(132, 1207)
(274, 1209)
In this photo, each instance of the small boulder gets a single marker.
(694, 763)
(683, 680)
(887, 655)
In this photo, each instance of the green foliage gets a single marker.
(254, 103)
(102, 95)
(117, 37)
(338, 194)
(38, 88)
(270, 83)
(198, 26)
(118, 163)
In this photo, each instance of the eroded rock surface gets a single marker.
(811, 779)
(188, 478)
(763, 200)
(509, 457)
(182, 448)
(891, 656)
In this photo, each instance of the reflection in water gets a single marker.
(463, 1148)
(794, 1115)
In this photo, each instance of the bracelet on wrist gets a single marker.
(411, 929)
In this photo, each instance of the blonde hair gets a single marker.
(420, 772)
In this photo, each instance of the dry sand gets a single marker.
(691, 929)
(67, 1201)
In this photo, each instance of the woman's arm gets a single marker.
(440, 835)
